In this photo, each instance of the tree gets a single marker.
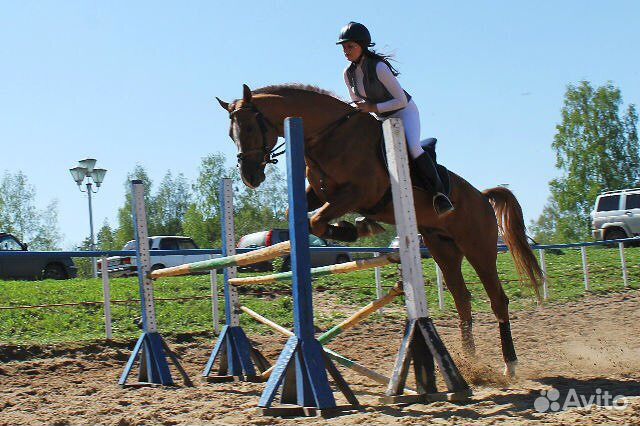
(264, 207)
(202, 218)
(169, 204)
(47, 234)
(596, 147)
(106, 238)
(19, 216)
(124, 231)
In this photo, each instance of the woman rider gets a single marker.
(373, 86)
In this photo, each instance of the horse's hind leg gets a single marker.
(449, 259)
(483, 260)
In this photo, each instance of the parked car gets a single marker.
(45, 266)
(616, 214)
(274, 236)
(127, 265)
(424, 251)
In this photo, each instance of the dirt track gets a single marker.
(586, 345)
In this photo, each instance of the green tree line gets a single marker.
(596, 150)
(179, 207)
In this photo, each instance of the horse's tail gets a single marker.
(511, 224)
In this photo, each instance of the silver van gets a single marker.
(616, 214)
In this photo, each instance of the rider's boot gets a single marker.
(428, 173)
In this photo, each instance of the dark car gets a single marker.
(274, 236)
(45, 266)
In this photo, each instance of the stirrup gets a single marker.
(442, 204)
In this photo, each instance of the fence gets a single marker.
(375, 251)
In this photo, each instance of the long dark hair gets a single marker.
(367, 51)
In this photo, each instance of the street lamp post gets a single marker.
(86, 170)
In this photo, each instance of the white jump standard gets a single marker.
(237, 357)
(151, 348)
(421, 342)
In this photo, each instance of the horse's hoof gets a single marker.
(510, 369)
(466, 333)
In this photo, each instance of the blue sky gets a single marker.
(134, 82)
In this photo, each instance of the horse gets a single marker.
(347, 173)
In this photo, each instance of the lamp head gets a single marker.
(88, 163)
(98, 176)
(78, 174)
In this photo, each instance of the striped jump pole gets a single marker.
(151, 349)
(301, 369)
(236, 355)
(349, 323)
(233, 260)
(421, 342)
(340, 268)
(340, 359)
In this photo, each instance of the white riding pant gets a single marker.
(411, 120)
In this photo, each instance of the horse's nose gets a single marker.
(252, 173)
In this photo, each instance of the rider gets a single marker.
(374, 88)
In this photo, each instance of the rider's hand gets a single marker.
(367, 106)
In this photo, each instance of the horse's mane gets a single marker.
(278, 88)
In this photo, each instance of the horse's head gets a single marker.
(254, 137)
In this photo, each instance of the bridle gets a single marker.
(268, 155)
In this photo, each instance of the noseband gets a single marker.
(268, 155)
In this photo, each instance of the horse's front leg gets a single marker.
(341, 203)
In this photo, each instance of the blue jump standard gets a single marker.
(301, 369)
(233, 350)
(151, 349)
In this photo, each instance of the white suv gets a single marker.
(616, 214)
(127, 266)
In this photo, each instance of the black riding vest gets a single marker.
(376, 91)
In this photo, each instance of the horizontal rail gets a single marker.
(339, 268)
(334, 249)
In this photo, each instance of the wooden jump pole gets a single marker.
(244, 259)
(340, 359)
(354, 319)
(360, 315)
(340, 268)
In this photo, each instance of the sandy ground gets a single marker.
(591, 346)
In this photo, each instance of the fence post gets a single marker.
(214, 299)
(439, 281)
(625, 273)
(585, 268)
(543, 265)
(378, 275)
(106, 290)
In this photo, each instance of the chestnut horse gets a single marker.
(346, 173)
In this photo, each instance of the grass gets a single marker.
(338, 296)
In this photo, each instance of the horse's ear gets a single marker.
(246, 93)
(223, 104)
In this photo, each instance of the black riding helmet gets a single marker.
(357, 32)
